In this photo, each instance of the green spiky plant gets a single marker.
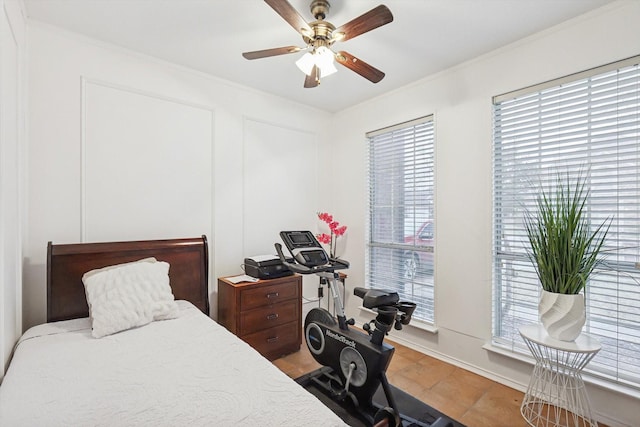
(564, 250)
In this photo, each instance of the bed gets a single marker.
(183, 370)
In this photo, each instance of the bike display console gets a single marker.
(353, 381)
(304, 248)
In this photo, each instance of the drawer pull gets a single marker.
(273, 295)
(273, 316)
(272, 339)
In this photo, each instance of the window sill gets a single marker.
(588, 377)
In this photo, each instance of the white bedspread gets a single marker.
(187, 371)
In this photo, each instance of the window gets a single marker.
(589, 123)
(401, 213)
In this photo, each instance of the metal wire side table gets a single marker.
(556, 395)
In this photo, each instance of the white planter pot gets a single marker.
(562, 315)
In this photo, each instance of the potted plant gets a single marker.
(564, 249)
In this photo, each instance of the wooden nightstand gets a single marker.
(267, 314)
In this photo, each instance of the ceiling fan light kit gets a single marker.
(321, 58)
(320, 35)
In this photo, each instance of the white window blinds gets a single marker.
(586, 122)
(401, 213)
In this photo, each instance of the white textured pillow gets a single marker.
(125, 296)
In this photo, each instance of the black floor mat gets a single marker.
(411, 408)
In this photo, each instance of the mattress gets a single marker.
(178, 372)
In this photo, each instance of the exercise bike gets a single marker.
(354, 362)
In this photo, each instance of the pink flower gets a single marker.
(324, 238)
(336, 231)
(324, 216)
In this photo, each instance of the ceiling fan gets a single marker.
(320, 35)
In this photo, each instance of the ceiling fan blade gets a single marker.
(289, 14)
(312, 79)
(271, 52)
(371, 20)
(365, 70)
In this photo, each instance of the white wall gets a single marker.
(460, 99)
(99, 169)
(137, 160)
(12, 173)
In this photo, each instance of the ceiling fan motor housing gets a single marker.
(322, 30)
(321, 34)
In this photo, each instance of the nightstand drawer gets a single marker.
(276, 341)
(268, 317)
(267, 295)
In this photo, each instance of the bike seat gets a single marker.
(374, 298)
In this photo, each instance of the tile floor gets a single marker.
(467, 397)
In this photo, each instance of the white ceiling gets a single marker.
(426, 36)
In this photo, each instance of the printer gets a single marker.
(266, 267)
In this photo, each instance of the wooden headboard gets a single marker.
(66, 264)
